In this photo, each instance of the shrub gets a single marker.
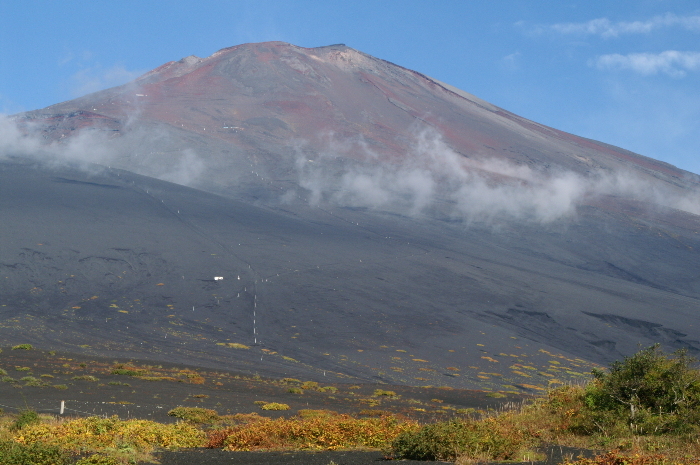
(22, 347)
(329, 432)
(381, 392)
(93, 434)
(312, 413)
(295, 390)
(195, 415)
(85, 378)
(233, 345)
(374, 413)
(8, 379)
(61, 387)
(649, 393)
(275, 406)
(332, 389)
(128, 372)
(31, 381)
(98, 459)
(309, 385)
(25, 418)
(12, 453)
(445, 441)
(2, 372)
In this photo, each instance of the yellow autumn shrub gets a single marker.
(328, 432)
(96, 433)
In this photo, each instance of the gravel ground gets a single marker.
(555, 455)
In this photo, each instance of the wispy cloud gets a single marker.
(605, 28)
(433, 178)
(670, 62)
(94, 78)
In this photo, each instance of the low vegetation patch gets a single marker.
(22, 347)
(13, 453)
(382, 392)
(195, 415)
(330, 432)
(128, 372)
(274, 406)
(95, 434)
(85, 378)
(233, 345)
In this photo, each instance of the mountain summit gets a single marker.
(336, 213)
(267, 104)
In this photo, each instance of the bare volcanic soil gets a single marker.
(99, 386)
(109, 263)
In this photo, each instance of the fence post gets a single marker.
(63, 405)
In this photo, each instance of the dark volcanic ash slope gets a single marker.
(115, 263)
(367, 221)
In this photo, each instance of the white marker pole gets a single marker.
(63, 406)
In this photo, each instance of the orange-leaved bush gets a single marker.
(318, 432)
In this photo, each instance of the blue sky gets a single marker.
(623, 72)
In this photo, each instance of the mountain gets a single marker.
(366, 220)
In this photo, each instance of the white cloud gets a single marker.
(511, 62)
(670, 62)
(606, 28)
(94, 78)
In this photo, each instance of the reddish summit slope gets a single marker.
(258, 101)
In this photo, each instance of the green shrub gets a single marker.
(12, 453)
(309, 385)
(381, 392)
(98, 459)
(649, 393)
(31, 381)
(61, 387)
(295, 390)
(2, 372)
(118, 383)
(275, 406)
(8, 379)
(24, 418)
(445, 441)
(22, 347)
(86, 378)
(195, 414)
(127, 372)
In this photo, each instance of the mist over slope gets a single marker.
(367, 221)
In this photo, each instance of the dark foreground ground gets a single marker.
(555, 455)
(66, 377)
